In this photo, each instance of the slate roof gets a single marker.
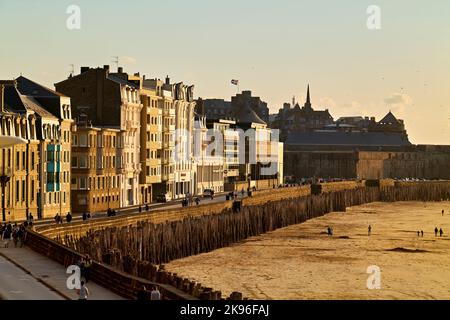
(31, 88)
(247, 115)
(17, 102)
(389, 118)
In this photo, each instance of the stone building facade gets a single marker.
(51, 134)
(112, 100)
(19, 164)
(96, 167)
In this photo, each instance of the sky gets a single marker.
(273, 47)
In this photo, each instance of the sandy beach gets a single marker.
(303, 262)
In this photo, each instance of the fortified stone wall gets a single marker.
(422, 163)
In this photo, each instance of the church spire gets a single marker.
(308, 100)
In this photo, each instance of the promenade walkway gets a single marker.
(27, 275)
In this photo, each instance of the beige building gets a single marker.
(51, 135)
(18, 164)
(151, 142)
(164, 94)
(96, 167)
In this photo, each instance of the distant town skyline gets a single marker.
(274, 48)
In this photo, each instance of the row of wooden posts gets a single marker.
(139, 249)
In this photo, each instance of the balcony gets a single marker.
(132, 125)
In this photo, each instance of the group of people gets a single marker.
(15, 232)
(144, 294)
(189, 200)
(440, 231)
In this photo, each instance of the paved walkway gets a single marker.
(26, 274)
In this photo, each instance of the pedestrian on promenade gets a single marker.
(147, 208)
(197, 200)
(15, 236)
(6, 237)
(369, 230)
(83, 292)
(142, 293)
(140, 208)
(31, 219)
(436, 231)
(155, 294)
(442, 212)
(21, 235)
(68, 217)
(87, 268)
(421, 232)
(441, 232)
(418, 233)
(84, 216)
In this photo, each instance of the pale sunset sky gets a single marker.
(274, 48)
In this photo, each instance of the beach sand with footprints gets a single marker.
(303, 262)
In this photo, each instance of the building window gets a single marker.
(32, 190)
(23, 191)
(50, 177)
(74, 140)
(83, 183)
(50, 156)
(74, 162)
(83, 162)
(17, 191)
(17, 160)
(83, 140)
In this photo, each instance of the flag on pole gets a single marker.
(235, 82)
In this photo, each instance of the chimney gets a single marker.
(84, 69)
(137, 74)
(106, 67)
(120, 70)
(167, 80)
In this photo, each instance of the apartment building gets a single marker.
(96, 167)
(209, 158)
(18, 164)
(151, 142)
(112, 100)
(51, 133)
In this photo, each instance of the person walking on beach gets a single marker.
(442, 212)
(83, 292)
(155, 294)
(436, 231)
(418, 233)
(441, 232)
(369, 230)
(421, 232)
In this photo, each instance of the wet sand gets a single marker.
(302, 262)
